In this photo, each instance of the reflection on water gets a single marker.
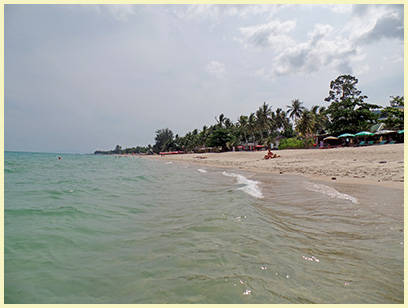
(122, 230)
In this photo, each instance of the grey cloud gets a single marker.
(386, 27)
(387, 20)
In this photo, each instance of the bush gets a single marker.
(294, 143)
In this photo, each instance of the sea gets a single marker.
(113, 229)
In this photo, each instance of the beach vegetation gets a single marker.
(346, 111)
(219, 138)
(164, 140)
(394, 114)
(294, 143)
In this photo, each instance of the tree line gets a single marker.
(346, 111)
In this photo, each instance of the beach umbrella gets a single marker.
(364, 134)
(330, 138)
(384, 132)
(401, 131)
(346, 135)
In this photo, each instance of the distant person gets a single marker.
(270, 155)
(59, 157)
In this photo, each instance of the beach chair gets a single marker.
(362, 143)
(383, 142)
(370, 143)
(391, 142)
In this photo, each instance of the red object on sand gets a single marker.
(169, 153)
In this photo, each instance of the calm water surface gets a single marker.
(105, 229)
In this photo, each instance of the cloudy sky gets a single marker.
(85, 77)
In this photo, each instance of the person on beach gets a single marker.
(270, 155)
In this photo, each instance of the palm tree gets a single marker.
(228, 123)
(243, 126)
(295, 110)
(263, 115)
(220, 120)
(306, 124)
(252, 125)
(280, 118)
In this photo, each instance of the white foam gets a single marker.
(251, 187)
(202, 170)
(329, 191)
(169, 163)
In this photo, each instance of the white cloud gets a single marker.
(272, 34)
(362, 69)
(322, 49)
(119, 12)
(216, 11)
(216, 69)
(340, 8)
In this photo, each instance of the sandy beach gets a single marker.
(381, 165)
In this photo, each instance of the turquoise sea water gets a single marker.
(107, 229)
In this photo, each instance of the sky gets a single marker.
(80, 78)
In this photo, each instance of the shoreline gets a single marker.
(376, 165)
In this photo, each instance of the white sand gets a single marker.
(377, 164)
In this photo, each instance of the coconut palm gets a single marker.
(306, 124)
(252, 125)
(243, 126)
(295, 110)
(220, 120)
(263, 115)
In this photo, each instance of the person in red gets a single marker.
(270, 155)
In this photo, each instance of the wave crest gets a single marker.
(329, 191)
(250, 187)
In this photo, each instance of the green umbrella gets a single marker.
(401, 131)
(345, 135)
(364, 134)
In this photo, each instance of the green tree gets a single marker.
(164, 140)
(342, 88)
(219, 138)
(394, 115)
(118, 149)
(348, 113)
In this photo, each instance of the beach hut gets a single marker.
(331, 141)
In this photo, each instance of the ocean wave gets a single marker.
(250, 187)
(62, 210)
(329, 191)
(202, 170)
